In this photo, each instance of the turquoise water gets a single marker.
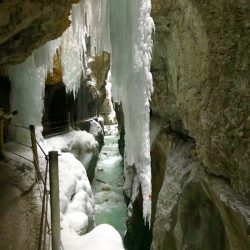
(107, 184)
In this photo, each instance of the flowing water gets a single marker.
(108, 182)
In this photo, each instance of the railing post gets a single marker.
(34, 150)
(54, 200)
(1, 138)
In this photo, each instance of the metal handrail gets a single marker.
(20, 143)
(19, 155)
(18, 126)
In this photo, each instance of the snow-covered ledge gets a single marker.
(76, 197)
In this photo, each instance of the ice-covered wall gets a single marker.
(131, 44)
(27, 91)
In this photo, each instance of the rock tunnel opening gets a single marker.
(56, 117)
(5, 89)
(5, 93)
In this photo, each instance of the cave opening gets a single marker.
(5, 88)
(56, 116)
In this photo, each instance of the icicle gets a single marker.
(90, 18)
(131, 45)
(27, 95)
(72, 65)
(28, 82)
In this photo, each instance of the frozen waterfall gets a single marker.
(131, 45)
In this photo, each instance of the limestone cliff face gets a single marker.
(26, 25)
(92, 93)
(92, 96)
(201, 72)
(195, 210)
(100, 66)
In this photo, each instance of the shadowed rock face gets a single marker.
(201, 76)
(26, 25)
(196, 210)
(201, 65)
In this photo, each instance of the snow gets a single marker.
(76, 198)
(103, 237)
(77, 204)
(80, 143)
(96, 129)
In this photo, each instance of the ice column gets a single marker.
(131, 46)
(28, 82)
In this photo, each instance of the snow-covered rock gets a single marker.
(76, 198)
(82, 145)
(97, 130)
(103, 237)
(77, 151)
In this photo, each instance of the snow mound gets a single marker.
(80, 143)
(103, 237)
(76, 198)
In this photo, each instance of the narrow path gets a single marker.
(108, 183)
(20, 215)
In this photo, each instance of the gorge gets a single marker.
(179, 72)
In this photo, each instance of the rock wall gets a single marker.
(201, 69)
(200, 164)
(27, 25)
(195, 209)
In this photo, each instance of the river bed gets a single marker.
(107, 185)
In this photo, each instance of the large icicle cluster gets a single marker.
(89, 19)
(28, 81)
(131, 46)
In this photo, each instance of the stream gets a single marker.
(107, 185)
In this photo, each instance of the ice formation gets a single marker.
(28, 81)
(122, 28)
(90, 19)
(71, 61)
(131, 45)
